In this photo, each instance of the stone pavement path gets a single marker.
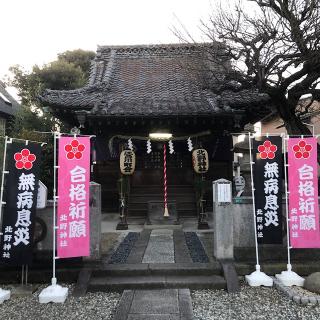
(160, 248)
(160, 304)
(163, 246)
(163, 304)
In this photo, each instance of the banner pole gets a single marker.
(287, 206)
(27, 270)
(256, 278)
(4, 294)
(54, 279)
(54, 293)
(2, 177)
(288, 278)
(253, 204)
(22, 274)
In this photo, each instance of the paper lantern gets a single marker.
(127, 162)
(200, 160)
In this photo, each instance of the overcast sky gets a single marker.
(34, 31)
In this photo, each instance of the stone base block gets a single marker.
(122, 226)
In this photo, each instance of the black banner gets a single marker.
(267, 155)
(23, 164)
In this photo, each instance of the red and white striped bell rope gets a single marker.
(166, 212)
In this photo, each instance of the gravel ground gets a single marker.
(93, 306)
(197, 252)
(122, 253)
(250, 303)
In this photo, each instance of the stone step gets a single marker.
(145, 198)
(159, 269)
(173, 188)
(155, 304)
(156, 282)
(159, 193)
(272, 268)
(171, 191)
(185, 206)
(276, 253)
(142, 213)
(180, 204)
(163, 225)
(188, 213)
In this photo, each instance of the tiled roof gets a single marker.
(8, 105)
(151, 81)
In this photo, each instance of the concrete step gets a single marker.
(156, 282)
(159, 269)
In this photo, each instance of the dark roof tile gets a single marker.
(150, 80)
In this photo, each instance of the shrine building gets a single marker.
(134, 91)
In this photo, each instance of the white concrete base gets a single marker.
(53, 293)
(258, 278)
(290, 278)
(4, 295)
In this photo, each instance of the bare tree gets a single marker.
(276, 49)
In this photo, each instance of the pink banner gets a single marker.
(303, 196)
(73, 238)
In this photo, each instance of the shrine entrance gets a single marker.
(137, 90)
(147, 184)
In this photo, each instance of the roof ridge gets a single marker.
(109, 68)
(85, 88)
(155, 47)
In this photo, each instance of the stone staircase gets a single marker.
(157, 276)
(182, 195)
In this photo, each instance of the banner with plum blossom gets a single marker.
(20, 203)
(73, 239)
(268, 186)
(303, 196)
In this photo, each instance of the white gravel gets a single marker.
(250, 303)
(93, 306)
